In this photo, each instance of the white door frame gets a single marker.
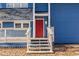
(34, 18)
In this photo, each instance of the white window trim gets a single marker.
(21, 24)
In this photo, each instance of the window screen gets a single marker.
(25, 25)
(0, 25)
(18, 25)
(2, 33)
(15, 33)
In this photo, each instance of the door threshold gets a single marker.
(38, 38)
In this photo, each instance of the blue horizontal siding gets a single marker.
(2, 5)
(14, 45)
(41, 7)
(66, 22)
(30, 5)
(8, 24)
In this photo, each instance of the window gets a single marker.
(2, 32)
(0, 25)
(8, 24)
(16, 5)
(15, 33)
(18, 25)
(25, 25)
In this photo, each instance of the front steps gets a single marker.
(39, 45)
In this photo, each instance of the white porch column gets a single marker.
(48, 14)
(50, 39)
(33, 20)
(5, 35)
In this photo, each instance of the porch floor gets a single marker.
(59, 50)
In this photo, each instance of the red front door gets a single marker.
(39, 28)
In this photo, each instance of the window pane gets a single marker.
(0, 25)
(18, 25)
(15, 33)
(2, 33)
(17, 5)
(8, 24)
(25, 25)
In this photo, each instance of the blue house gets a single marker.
(30, 23)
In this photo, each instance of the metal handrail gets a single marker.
(50, 32)
(50, 36)
(28, 36)
(28, 32)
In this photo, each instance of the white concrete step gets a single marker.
(39, 45)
